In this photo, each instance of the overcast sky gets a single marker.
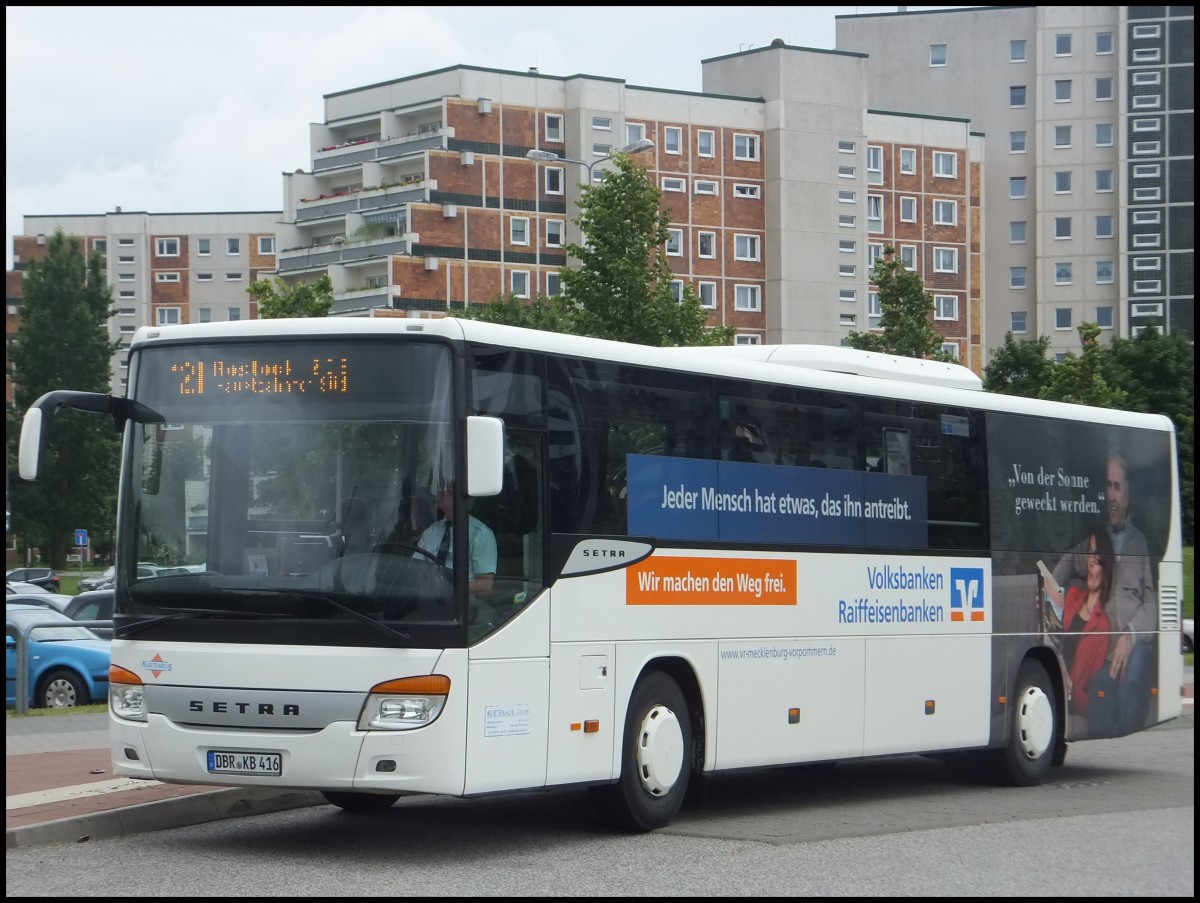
(199, 109)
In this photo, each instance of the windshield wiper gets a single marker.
(187, 614)
(329, 600)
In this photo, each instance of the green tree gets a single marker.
(1019, 367)
(66, 304)
(277, 300)
(548, 314)
(1080, 379)
(905, 307)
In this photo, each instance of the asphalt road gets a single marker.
(1118, 819)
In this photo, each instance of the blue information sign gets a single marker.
(81, 537)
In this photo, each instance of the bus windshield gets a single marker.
(287, 489)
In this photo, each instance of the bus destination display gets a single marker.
(261, 376)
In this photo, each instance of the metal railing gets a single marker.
(21, 638)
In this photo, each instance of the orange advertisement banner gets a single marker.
(711, 581)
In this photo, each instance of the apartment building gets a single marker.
(1089, 115)
(163, 268)
(451, 187)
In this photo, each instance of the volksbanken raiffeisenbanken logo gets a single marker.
(966, 594)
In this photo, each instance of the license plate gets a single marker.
(227, 762)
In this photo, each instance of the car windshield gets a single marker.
(25, 618)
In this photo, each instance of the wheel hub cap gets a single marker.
(1035, 723)
(659, 751)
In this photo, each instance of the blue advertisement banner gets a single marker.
(735, 501)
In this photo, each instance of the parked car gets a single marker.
(1189, 635)
(11, 586)
(41, 576)
(67, 664)
(56, 601)
(98, 582)
(96, 605)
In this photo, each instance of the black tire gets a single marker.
(1035, 730)
(349, 801)
(656, 759)
(62, 689)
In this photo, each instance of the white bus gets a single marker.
(680, 562)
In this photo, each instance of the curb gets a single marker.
(178, 812)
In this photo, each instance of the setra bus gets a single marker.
(679, 562)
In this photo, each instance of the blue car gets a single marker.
(68, 664)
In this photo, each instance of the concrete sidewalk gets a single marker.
(60, 786)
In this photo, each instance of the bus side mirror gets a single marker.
(29, 460)
(485, 456)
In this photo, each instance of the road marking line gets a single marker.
(59, 794)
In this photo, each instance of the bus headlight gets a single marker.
(404, 704)
(126, 694)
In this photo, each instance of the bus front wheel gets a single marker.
(360, 802)
(1034, 729)
(656, 758)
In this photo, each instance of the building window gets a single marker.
(706, 244)
(602, 123)
(554, 180)
(1017, 277)
(1147, 240)
(847, 319)
(745, 147)
(874, 253)
(677, 290)
(1104, 134)
(1062, 227)
(1104, 272)
(747, 339)
(125, 242)
(1104, 42)
(746, 297)
(945, 165)
(519, 282)
(1104, 180)
(233, 277)
(205, 314)
(166, 247)
(874, 213)
(945, 260)
(1147, 148)
(706, 143)
(908, 209)
(125, 260)
(1062, 318)
(674, 184)
(1147, 102)
(846, 147)
(848, 294)
(1062, 182)
(874, 310)
(937, 54)
(746, 191)
(745, 247)
(1062, 45)
(518, 230)
(203, 247)
(1146, 31)
(847, 245)
(554, 233)
(1104, 88)
(167, 316)
(945, 213)
(1147, 78)
(126, 293)
(908, 257)
(235, 313)
(1063, 273)
(1147, 125)
(874, 165)
(166, 277)
(704, 186)
(634, 132)
(847, 172)
(1104, 317)
(1147, 171)
(1016, 142)
(1016, 51)
(1147, 286)
(1147, 217)
(675, 242)
(846, 221)
(908, 161)
(1062, 90)
(553, 284)
(601, 150)
(204, 277)
(847, 270)
(100, 245)
(708, 294)
(125, 277)
(950, 349)
(1104, 226)
(1142, 264)
(554, 127)
(233, 246)
(1062, 136)
(1016, 95)
(847, 197)
(1144, 195)
(1017, 321)
(1016, 187)
(673, 139)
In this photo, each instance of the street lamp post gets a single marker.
(545, 156)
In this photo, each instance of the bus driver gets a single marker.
(438, 541)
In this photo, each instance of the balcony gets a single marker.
(415, 188)
(322, 256)
(375, 149)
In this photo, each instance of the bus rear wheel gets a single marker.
(360, 802)
(1034, 730)
(656, 759)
